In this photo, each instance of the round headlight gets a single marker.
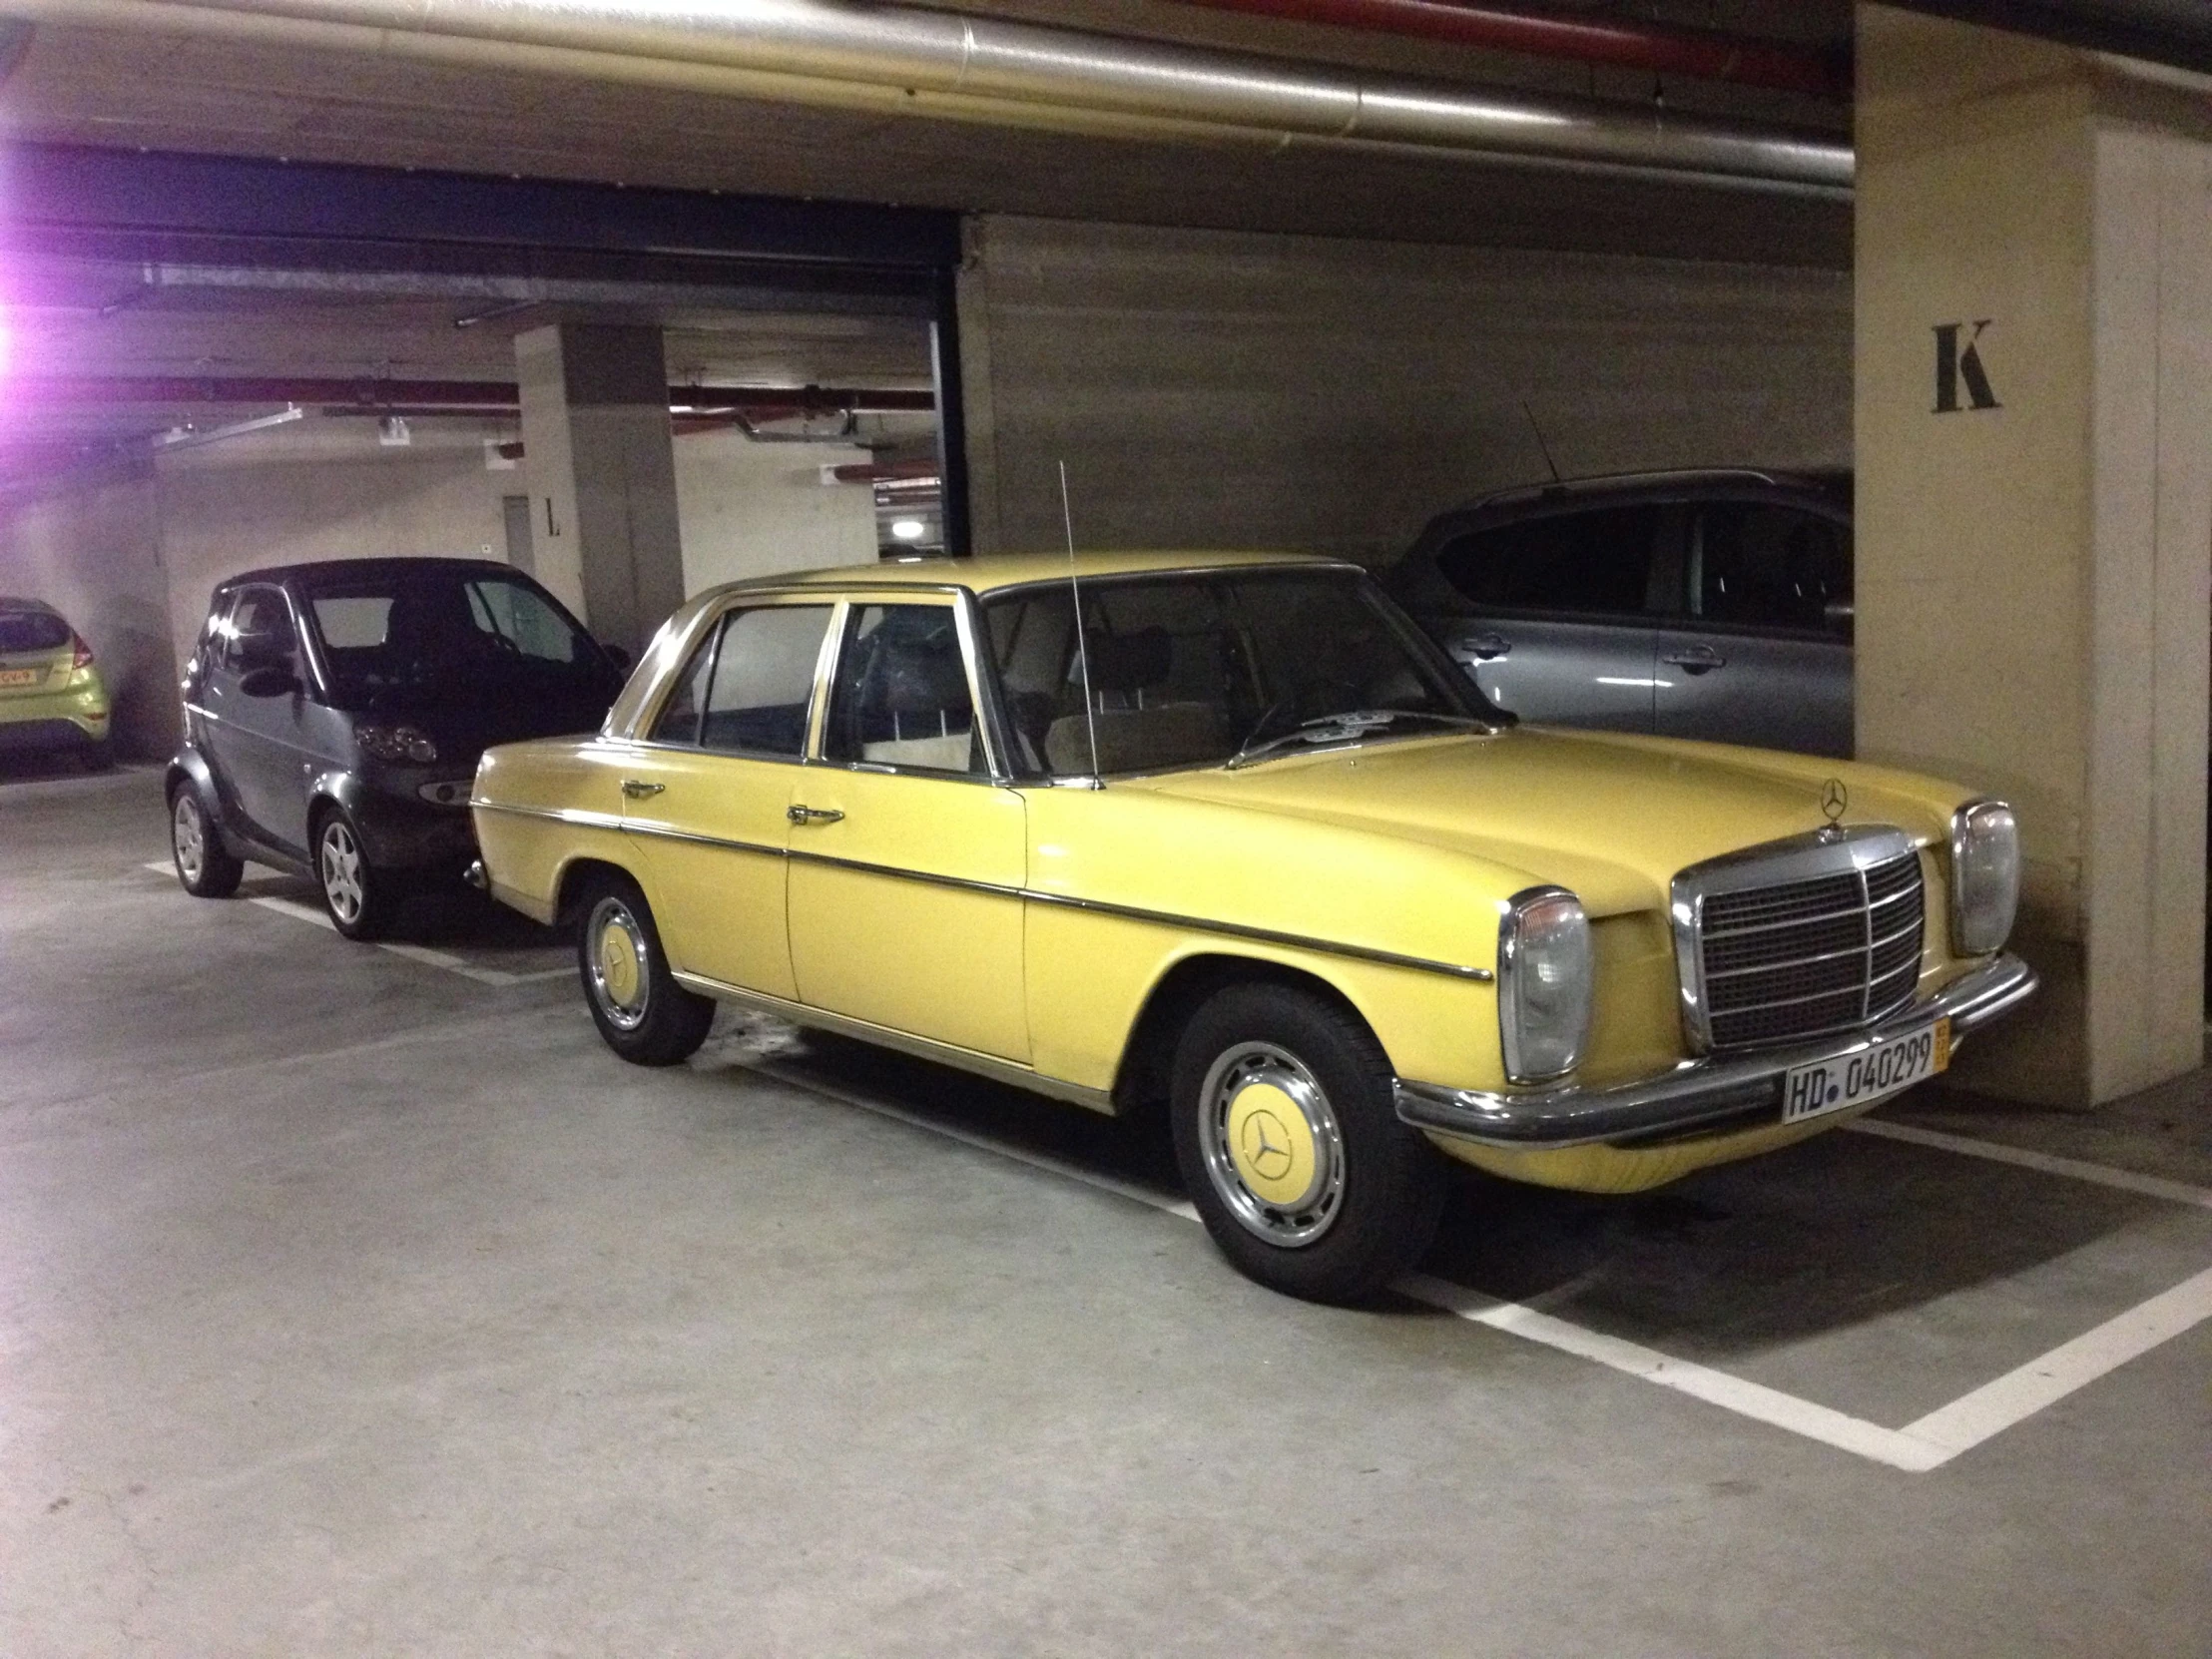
(396, 742)
(1543, 983)
(1984, 876)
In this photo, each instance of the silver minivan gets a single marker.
(1709, 604)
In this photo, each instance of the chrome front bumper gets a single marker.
(1738, 1090)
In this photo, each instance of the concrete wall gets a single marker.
(93, 551)
(1219, 389)
(2033, 575)
(326, 489)
(758, 509)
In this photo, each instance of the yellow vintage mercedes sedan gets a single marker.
(1228, 832)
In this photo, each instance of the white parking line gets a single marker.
(1927, 1443)
(414, 953)
(2176, 1192)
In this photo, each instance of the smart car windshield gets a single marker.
(1213, 667)
(395, 630)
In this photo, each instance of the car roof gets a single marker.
(1826, 481)
(363, 567)
(10, 604)
(989, 573)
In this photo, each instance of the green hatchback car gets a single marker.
(52, 699)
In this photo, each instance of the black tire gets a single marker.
(362, 899)
(204, 865)
(1289, 1141)
(642, 1012)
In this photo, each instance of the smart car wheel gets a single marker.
(642, 1012)
(203, 863)
(1290, 1144)
(362, 898)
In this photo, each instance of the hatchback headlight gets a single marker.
(1984, 876)
(1543, 983)
(396, 743)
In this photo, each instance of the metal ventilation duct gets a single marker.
(896, 58)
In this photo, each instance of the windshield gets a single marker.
(394, 630)
(1201, 670)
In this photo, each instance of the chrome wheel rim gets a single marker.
(618, 963)
(1272, 1148)
(344, 882)
(188, 837)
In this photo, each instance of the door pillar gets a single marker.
(2033, 395)
(602, 473)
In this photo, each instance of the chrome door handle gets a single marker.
(813, 814)
(1487, 646)
(637, 788)
(1696, 659)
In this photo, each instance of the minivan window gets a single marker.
(1760, 565)
(1595, 563)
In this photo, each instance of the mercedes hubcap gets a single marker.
(345, 883)
(616, 958)
(1272, 1148)
(188, 838)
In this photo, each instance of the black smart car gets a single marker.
(335, 713)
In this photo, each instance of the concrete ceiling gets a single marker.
(118, 87)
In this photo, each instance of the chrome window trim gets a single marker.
(582, 819)
(1848, 850)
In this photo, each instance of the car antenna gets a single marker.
(1096, 780)
(1540, 444)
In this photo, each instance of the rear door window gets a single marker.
(1597, 563)
(747, 687)
(1754, 564)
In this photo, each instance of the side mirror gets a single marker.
(270, 679)
(621, 656)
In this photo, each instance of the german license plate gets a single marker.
(19, 676)
(1873, 1074)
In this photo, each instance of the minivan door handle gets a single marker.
(637, 788)
(1695, 658)
(814, 815)
(1487, 646)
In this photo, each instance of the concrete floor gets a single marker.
(352, 1306)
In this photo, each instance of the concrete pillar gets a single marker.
(602, 474)
(2033, 435)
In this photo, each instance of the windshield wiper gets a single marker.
(1350, 725)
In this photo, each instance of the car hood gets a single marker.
(464, 725)
(1611, 817)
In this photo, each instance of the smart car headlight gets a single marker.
(1543, 983)
(1984, 876)
(396, 742)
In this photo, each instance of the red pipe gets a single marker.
(423, 397)
(1704, 56)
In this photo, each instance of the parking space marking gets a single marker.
(2021, 1392)
(414, 953)
(2153, 1186)
(1927, 1443)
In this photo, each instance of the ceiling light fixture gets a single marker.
(908, 529)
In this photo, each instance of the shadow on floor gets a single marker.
(1831, 1234)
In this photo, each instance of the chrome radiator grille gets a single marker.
(1797, 954)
